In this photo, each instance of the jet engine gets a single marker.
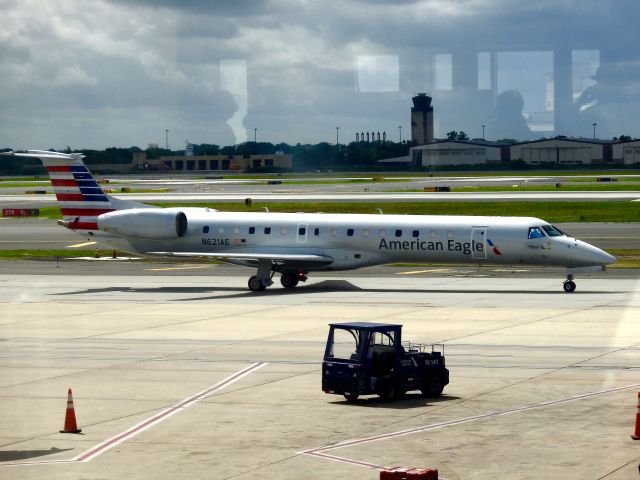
(148, 223)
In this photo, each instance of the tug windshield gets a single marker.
(344, 344)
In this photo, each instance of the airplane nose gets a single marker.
(607, 259)
(597, 256)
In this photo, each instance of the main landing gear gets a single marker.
(569, 285)
(263, 278)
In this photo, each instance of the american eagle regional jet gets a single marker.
(294, 244)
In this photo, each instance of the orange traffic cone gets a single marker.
(70, 425)
(636, 433)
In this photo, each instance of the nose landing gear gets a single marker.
(569, 285)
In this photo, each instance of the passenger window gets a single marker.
(302, 231)
(398, 233)
(236, 229)
(433, 234)
(267, 230)
(365, 232)
(205, 229)
(381, 232)
(283, 231)
(350, 232)
(333, 232)
(252, 230)
(220, 229)
(535, 232)
(416, 234)
(316, 232)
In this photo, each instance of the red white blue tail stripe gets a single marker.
(80, 197)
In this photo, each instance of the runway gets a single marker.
(543, 384)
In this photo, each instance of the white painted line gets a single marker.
(101, 448)
(431, 270)
(150, 422)
(434, 426)
(184, 267)
(85, 244)
(335, 458)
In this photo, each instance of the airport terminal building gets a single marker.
(195, 163)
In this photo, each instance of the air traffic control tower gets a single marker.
(422, 119)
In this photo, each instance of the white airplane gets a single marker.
(293, 244)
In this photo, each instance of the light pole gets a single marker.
(337, 136)
(483, 132)
(594, 130)
(255, 135)
(400, 134)
(166, 139)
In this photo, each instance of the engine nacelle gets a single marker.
(148, 223)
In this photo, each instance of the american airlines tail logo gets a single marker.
(495, 249)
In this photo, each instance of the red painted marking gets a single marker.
(59, 168)
(59, 182)
(69, 197)
(84, 212)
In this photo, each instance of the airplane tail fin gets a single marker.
(79, 195)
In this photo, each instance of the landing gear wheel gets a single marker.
(432, 387)
(351, 397)
(289, 280)
(256, 285)
(569, 286)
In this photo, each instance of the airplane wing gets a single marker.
(282, 259)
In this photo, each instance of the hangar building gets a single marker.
(559, 150)
(563, 151)
(627, 153)
(459, 152)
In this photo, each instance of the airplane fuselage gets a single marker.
(360, 240)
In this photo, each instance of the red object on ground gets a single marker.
(70, 425)
(403, 473)
(636, 432)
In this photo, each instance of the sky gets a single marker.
(120, 73)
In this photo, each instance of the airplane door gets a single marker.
(301, 233)
(479, 243)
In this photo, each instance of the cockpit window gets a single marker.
(552, 231)
(536, 232)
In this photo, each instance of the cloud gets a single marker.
(122, 71)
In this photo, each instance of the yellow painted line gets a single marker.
(416, 272)
(186, 267)
(86, 244)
